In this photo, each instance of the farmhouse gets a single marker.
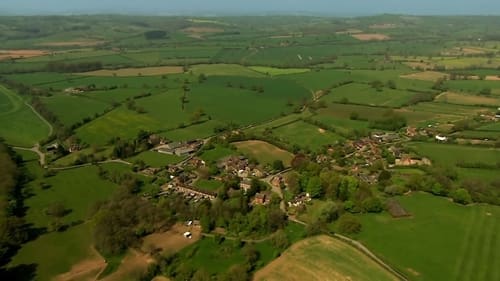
(261, 198)
(441, 138)
(246, 184)
(407, 160)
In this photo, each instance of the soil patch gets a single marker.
(88, 269)
(370, 36)
(82, 43)
(172, 240)
(20, 54)
(426, 76)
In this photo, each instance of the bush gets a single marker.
(348, 224)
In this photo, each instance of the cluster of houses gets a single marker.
(241, 167)
(179, 148)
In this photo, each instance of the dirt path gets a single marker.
(86, 270)
(51, 128)
(35, 149)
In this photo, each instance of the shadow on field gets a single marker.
(22, 272)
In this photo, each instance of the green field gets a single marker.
(217, 153)
(448, 154)
(156, 159)
(306, 135)
(441, 241)
(224, 70)
(209, 185)
(365, 94)
(73, 109)
(20, 125)
(264, 152)
(274, 71)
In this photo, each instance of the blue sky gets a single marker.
(335, 7)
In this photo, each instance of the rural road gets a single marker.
(35, 149)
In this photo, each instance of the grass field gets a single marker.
(264, 152)
(306, 135)
(365, 94)
(20, 125)
(217, 153)
(441, 241)
(465, 99)
(72, 109)
(156, 159)
(322, 258)
(491, 127)
(209, 185)
(224, 70)
(449, 154)
(143, 71)
(274, 71)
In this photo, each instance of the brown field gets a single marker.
(144, 71)
(160, 278)
(82, 43)
(322, 258)
(370, 36)
(419, 65)
(20, 54)
(466, 99)
(383, 26)
(132, 267)
(172, 240)
(86, 270)
(265, 152)
(426, 75)
(492, 78)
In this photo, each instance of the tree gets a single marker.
(372, 205)
(57, 210)
(461, 196)
(391, 84)
(280, 240)
(384, 176)
(314, 187)
(278, 165)
(348, 224)
(293, 183)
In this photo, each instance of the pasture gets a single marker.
(156, 159)
(367, 95)
(71, 109)
(20, 124)
(274, 71)
(264, 152)
(224, 70)
(450, 154)
(467, 99)
(305, 135)
(323, 258)
(141, 71)
(426, 76)
(461, 242)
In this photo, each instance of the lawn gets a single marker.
(156, 159)
(323, 258)
(441, 241)
(264, 152)
(209, 185)
(20, 125)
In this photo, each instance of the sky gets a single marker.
(331, 7)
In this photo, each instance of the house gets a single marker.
(277, 181)
(246, 184)
(441, 138)
(261, 198)
(184, 151)
(52, 147)
(411, 131)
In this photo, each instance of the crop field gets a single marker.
(241, 101)
(264, 152)
(465, 99)
(145, 71)
(120, 122)
(322, 258)
(306, 135)
(319, 80)
(20, 125)
(426, 76)
(463, 239)
(365, 94)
